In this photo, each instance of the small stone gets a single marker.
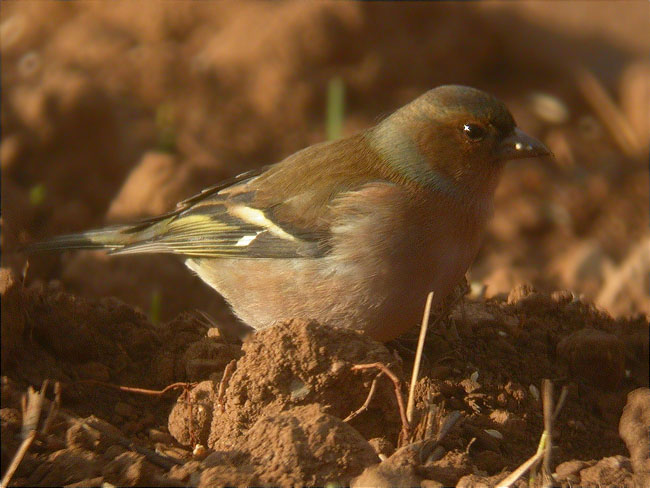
(520, 292)
(213, 333)
(200, 452)
(78, 436)
(189, 420)
(609, 471)
(494, 433)
(570, 470)
(382, 446)
(470, 385)
(634, 428)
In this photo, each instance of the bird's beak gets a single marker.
(520, 145)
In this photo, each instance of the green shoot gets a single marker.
(335, 108)
(155, 307)
(165, 126)
(37, 194)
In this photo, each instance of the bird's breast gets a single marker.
(394, 254)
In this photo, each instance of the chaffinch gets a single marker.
(354, 232)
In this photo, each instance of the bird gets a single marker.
(352, 233)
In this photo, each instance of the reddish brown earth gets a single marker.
(110, 113)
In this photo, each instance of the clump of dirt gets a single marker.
(299, 363)
(278, 418)
(633, 429)
(300, 446)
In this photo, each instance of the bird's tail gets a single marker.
(112, 239)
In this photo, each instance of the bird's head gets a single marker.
(453, 138)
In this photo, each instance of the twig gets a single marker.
(223, 384)
(365, 405)
(560, 402)
(418, 358)
(205, 318)
(519, 472)
(547, 398)
(469, 445)
(140, 391)
(18, 457)
(448, 424)
(32, 405)
(54, 408)
(424, 447)
(450, 421)
(433, 413)
(406, 427)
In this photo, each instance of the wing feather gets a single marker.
(215, 224)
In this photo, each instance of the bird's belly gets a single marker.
(382, 292)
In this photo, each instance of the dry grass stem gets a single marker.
(418, 357)
(140, 391)
(364, 407)
(547, 398)
(32, 404)
(560, 402)
(432, 418)
(448, 424)
(54, 408)
(521, 470)
(450, 421)
(18, 457)
(406, 427)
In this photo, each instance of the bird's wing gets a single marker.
(223, 221)
(282, 211)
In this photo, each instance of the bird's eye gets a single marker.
(474, 132)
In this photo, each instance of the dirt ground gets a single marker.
(112, 112)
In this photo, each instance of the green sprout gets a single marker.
(155, 307)
(335, 108)
(37, 194)
(166, 129)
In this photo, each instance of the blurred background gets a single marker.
(115, 111)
